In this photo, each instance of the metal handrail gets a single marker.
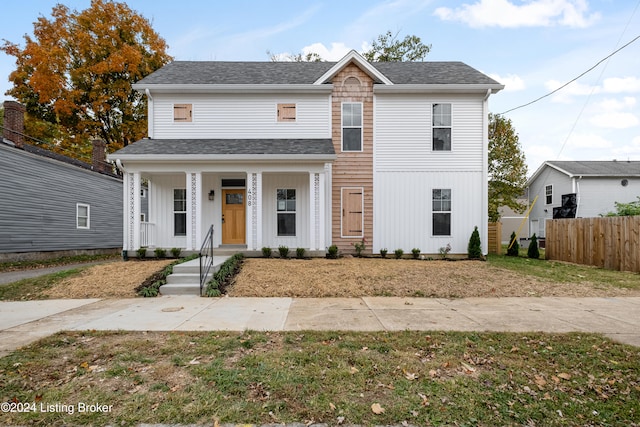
(206, 258)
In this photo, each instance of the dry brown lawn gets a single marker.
(357, 277)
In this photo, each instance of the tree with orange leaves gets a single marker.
(77, 70)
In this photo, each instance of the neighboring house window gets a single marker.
(83, 213)
(441, 123)
(441, 206)
(286, 112)
(182, 112)
(548, 194)
(286, 209)
(352, 126)
(179, 212)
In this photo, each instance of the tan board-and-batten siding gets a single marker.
(352, 169)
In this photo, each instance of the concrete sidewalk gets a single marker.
(24, 322)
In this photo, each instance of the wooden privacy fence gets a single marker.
(494, 238)
(612, 242)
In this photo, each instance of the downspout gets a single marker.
(149, 113)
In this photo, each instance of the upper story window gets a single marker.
(352, 126)
(182, 112)
(548, 194)
(441, 126)
(287, 113)
(82, 215)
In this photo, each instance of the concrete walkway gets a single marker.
(24, 322)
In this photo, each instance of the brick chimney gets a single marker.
(99, 156)
(14, 122)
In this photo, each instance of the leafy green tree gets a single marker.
(474, 250)
(388, 48)
(626, 209)
(77, 69)
(533, 251)
(507, 167)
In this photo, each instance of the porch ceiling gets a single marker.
(220, 149)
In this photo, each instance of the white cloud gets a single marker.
(337, 51)
(532, 13)
(572, 89)
(621, 84)
(588, 141)
(630, 150)
(616, 104)
(511, 82)
(615, 120)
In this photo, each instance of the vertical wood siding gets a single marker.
(242, 116)
(161, 209)
(403, 208)
(39, 197)
(352, 169)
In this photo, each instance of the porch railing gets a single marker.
(206, 258)
(147, 234)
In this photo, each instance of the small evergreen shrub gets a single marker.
(160, 253)
(175, 252)
(415, 252)
(266, 252)
(300, 253)
(473, 250)
(284, 251)
(142, 253)
(533, 251)
(383, 252)
(398, 253)
(332, 252)
(514, 249)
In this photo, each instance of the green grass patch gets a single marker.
(54, 262)
(421, 378)
(32, 288)
(562, 272)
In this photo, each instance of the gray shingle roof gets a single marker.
(276, 147)
(599, 168)
(220, 72)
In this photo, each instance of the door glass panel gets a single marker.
(234, 198)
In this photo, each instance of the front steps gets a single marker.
(185, 279)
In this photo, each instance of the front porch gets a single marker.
(271, 206)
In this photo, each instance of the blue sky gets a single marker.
(531, 46)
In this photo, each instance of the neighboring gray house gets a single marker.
(52, 204)
(597, 186)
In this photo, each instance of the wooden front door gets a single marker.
(233, 217)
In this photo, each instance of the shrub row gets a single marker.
(222, 277)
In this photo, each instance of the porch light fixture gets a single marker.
(212, 194)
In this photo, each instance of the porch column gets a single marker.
(254, 210)
(316, 211)
(132, 211)
(194, 214)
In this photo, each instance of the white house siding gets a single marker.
(542, 211)
(161, 209)
(598, 196)
(406, 171)
(242, 116)
(402, 135)
(403, 208)
(270, 184)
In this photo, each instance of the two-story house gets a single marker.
(580, 189)
(310, 154)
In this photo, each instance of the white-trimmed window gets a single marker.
(286, 211)
(182, 112)
(179, 212)
(83, 216)
(352, 126)
(548, 194)
(441, 127)
(441, 215)
(287, 113)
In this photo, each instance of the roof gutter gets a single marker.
(199, 158)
